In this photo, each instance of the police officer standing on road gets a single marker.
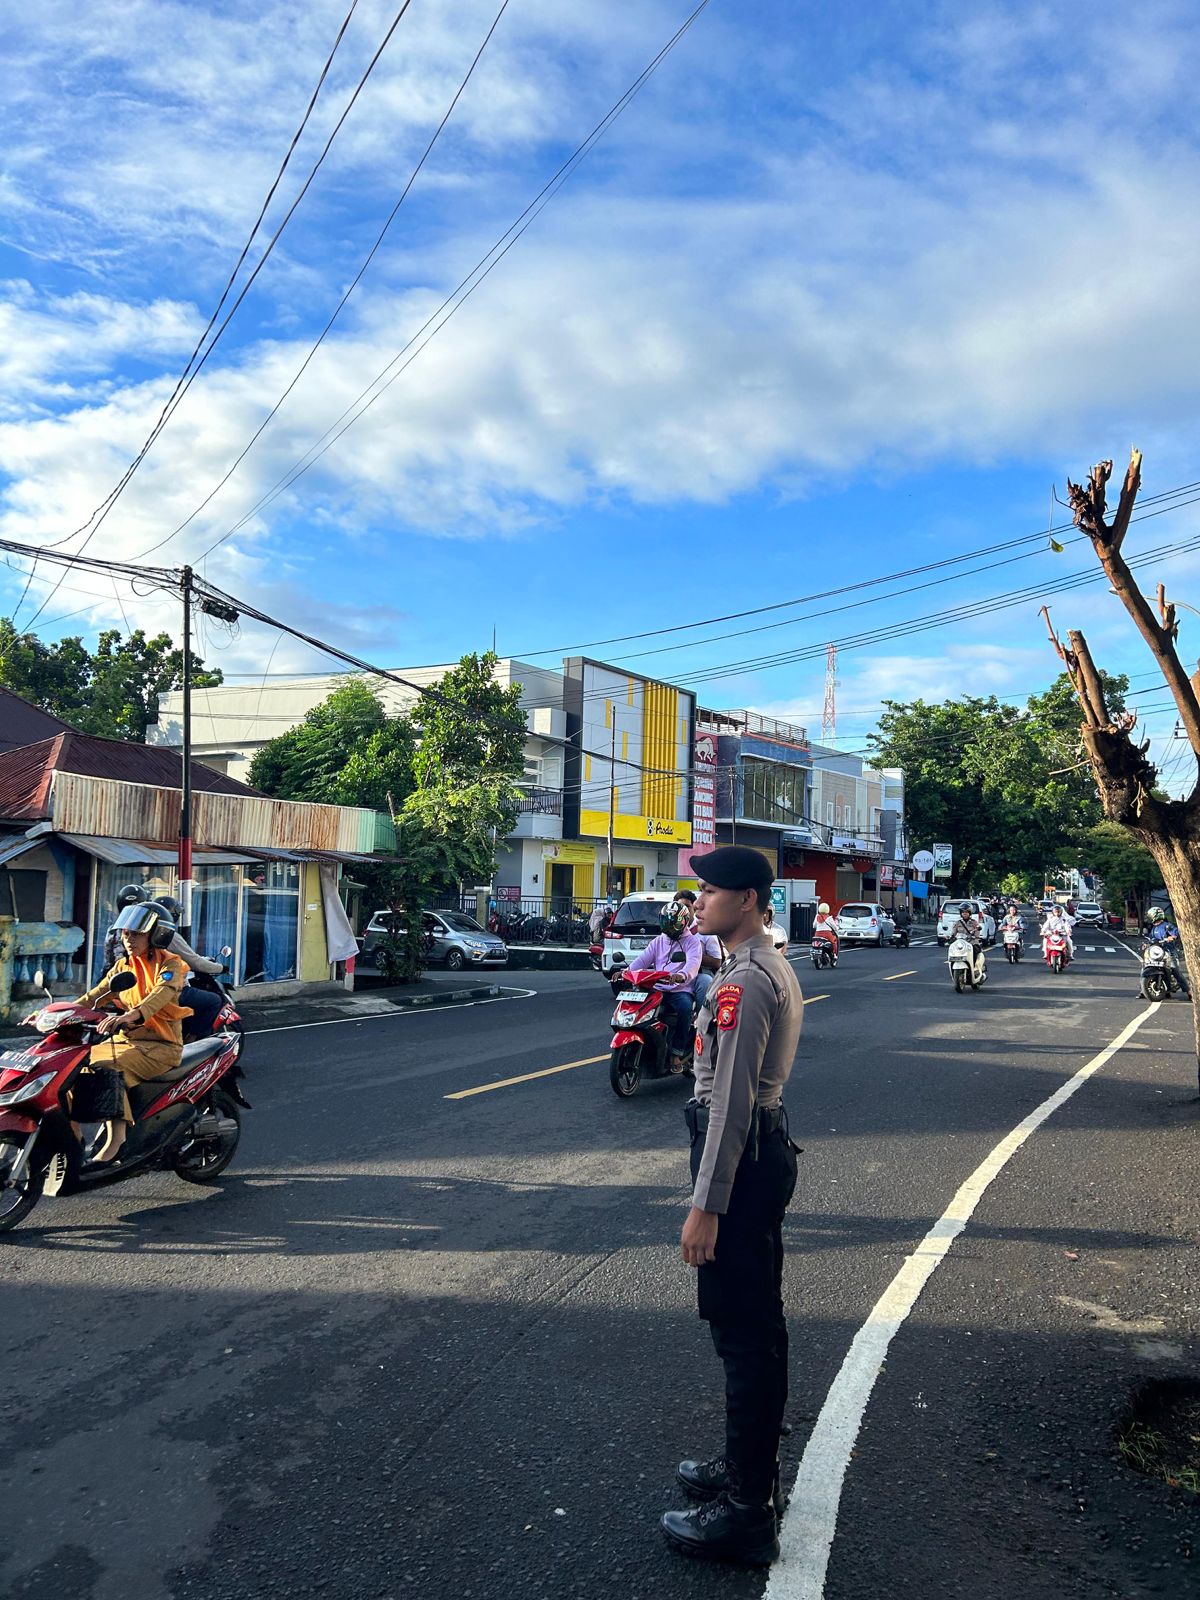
(743, 1172)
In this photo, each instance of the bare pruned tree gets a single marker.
(1124, 773)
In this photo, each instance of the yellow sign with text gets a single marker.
(637, 830)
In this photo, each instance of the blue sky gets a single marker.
(844, 291)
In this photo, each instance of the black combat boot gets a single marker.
(723, 1530)
(705, 1480)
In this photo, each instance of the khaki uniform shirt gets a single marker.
(160, 976)
(746, 1037)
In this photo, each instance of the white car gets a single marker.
(949, 917)
(638, 920)
(1088, 914)
(865, 922)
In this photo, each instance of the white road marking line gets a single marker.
(400, 1011)
(808, 1531)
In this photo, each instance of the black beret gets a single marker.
(734, 866)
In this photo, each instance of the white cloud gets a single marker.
(904, 269)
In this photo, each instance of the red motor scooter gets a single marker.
(187, 1120)
(1058, 957)
(641, 1043)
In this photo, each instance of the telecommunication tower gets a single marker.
(829, 714)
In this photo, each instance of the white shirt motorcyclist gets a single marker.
(1059, 922)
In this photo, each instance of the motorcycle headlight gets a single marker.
(28, 1090)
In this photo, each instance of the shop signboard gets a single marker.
(943, 860)
(704, 791)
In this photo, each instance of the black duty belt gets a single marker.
(769, 1118)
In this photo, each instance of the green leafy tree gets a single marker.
(468, 766)
(348, 751)
(1128, 870)
(448, 774)
(1001, 783)
(112, 690)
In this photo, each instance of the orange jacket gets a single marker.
(160, 976)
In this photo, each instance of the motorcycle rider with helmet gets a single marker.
(676, 950)
(133, 894)
(970, 927)
(1161, 930)
(1061, 922)
(825, 927)
(150, 1016)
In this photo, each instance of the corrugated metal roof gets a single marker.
(25, 773)
(11, 848)
(139, 853)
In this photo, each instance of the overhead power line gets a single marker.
(458, 296)
(337, 310)
(195, 365)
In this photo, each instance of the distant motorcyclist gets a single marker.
(825, 927)
(676, 950)
(1059, 922)
(1013, 922)
(1161, 930)
(969, 926)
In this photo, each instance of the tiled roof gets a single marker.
(25, 773)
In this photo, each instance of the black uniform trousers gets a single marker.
(740, 1296)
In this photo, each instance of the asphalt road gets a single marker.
(414, 1345)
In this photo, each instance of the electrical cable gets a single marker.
(337, 310)
(245, 289)
(225, 292)
(458, 296)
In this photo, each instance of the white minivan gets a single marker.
(638, 920)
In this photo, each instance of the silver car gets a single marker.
(865, 922)
(451, 938)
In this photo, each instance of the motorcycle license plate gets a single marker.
(638, 944)
(15, 1060)
(631, 997)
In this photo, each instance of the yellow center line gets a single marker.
(526, 1077)
(891, 978)
(811, 1000)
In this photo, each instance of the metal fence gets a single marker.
(541, 919)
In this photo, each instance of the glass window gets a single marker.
(215, 915)
(270, 921)
(772, 792)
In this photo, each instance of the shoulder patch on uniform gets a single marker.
(725, 1003)
(167, 976)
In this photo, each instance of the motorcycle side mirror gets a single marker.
(226, 951)
(122, 980)
(39, 982)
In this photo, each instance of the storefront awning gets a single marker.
(137, 853)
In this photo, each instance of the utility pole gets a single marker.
(223, 613)
(612, 791)
(185, 814)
